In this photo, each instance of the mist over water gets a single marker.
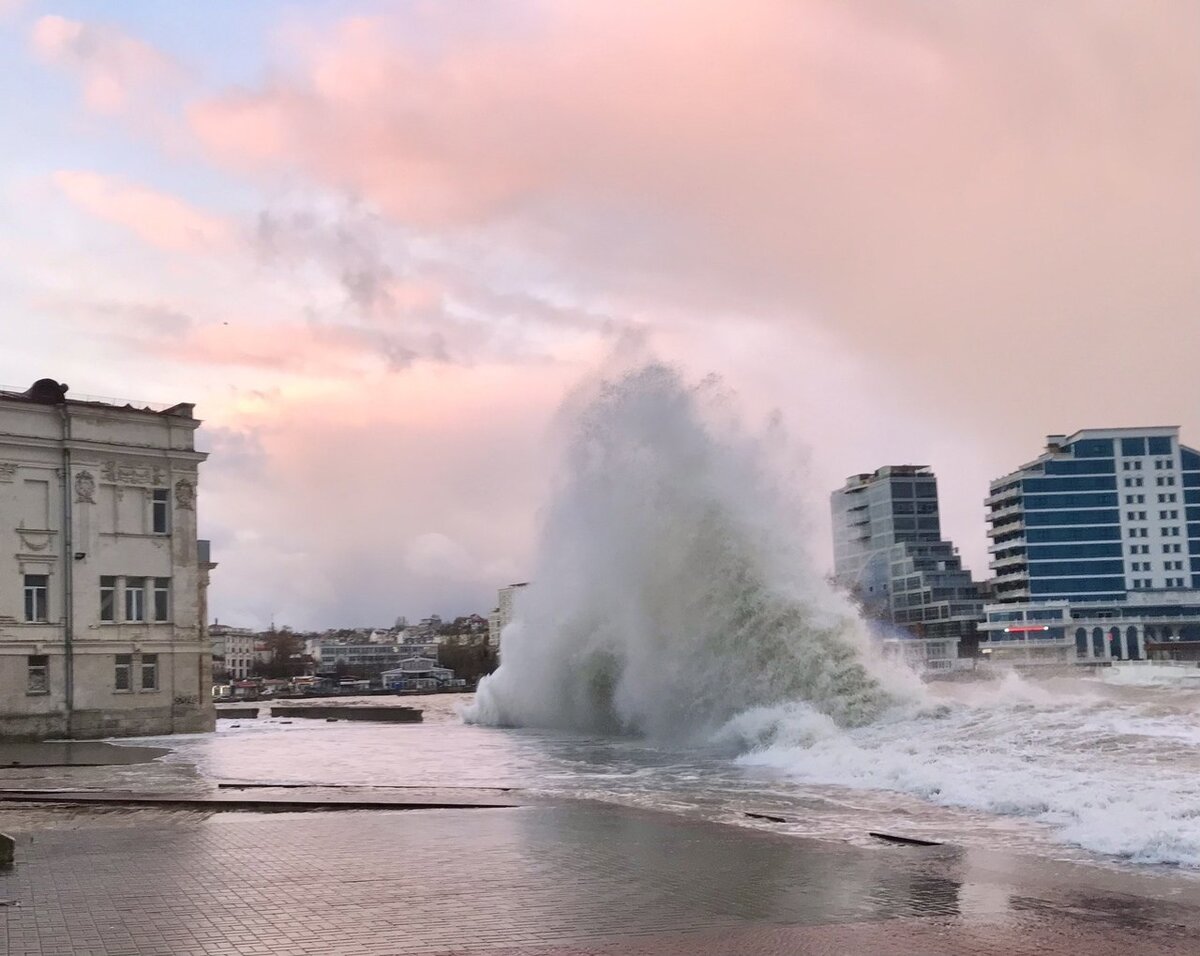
(671, 592)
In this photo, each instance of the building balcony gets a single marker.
(1011, 562)
(1011, 577)
(1015, 508)
(1010, 494)
(1009, 527)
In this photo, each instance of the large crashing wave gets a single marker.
(671, 593)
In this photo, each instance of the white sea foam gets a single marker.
(1114, 775)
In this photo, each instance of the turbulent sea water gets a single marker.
(678, 651)
(1068, 769)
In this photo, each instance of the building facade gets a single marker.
(1096, 550)
(1161, 625)
(235, 651)
(368, 658)
(102, 580)
(502, 614)
(889, 553)
(1099, 514)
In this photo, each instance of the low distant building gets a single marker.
(365, 657)
(923, 655)
(502, 614)
(419, 673)
(1146, 625)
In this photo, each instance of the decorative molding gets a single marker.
(8, 470)
(85, 488)
(35, 540)
(185, 494)
(127, 473)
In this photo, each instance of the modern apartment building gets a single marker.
(1099, 513)
(1096, 548)
(502, 614)
(890, 554)
(102, 580)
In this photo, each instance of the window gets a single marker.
(1159, 445)
(108, 598)
(149, 672)
(1170, 532)
(122, 676)
(37, 674)
(162, 599)
(1133, 446)
(161, 508)
(37, 597)
(135, 599)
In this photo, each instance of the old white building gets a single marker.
(235, 651)
(102, 579)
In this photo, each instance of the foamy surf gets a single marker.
(1117, 773)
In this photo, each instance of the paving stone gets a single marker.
(557, 881)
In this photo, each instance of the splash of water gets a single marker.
(671, 592)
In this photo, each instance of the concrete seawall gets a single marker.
(390, 715)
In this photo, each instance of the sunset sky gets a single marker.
(377, 243)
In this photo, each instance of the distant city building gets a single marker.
(1100, 513)
(419, 673)
(502, 614)
(365, 656)
(890, 554)
(1096, 550)
(235, 648)
(102, 581)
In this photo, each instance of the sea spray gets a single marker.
(671, 591)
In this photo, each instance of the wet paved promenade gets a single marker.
(549, 879)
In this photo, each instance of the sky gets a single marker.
(376, 244)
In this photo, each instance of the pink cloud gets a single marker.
(114, 68)
(285, 347)
(920, 179)
(156, 218)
